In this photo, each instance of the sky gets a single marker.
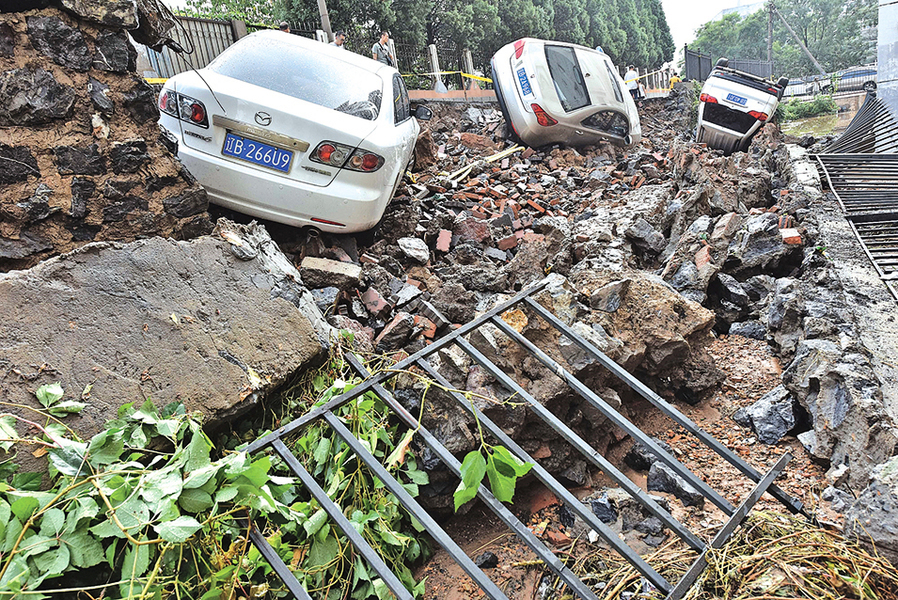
(685, 16)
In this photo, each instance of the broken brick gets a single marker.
(375, 303)
(726, 226)
(472, 230)
(791, 236)
(428, 328)
(535, 206)
(507, 243)
(444, 239)
(367, 258)
(703, 257)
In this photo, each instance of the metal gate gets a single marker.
(862, 172)
(698, 66)
(524, 300)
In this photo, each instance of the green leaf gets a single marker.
(54, 561)
(322, 450)
(106, 447)
(52, 522)
(24, 507)
(179, 530)
(197, 450)
(201, 476)
(315, 522)
(86, 551)
(418, 476)
(70, 457)
(473, 468)
(195, 500)
(16, 575)
(13, 529)
(36, 544)
(520, 468)
(69, 407)
(137, 560)
(323, 552)
(28, 482)
(168, 427)
(49, 393)
(501, 484)
(161, 484)
(8, 431)
(226, 494)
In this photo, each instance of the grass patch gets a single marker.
(799, 109)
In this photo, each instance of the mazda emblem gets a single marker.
(263, 119)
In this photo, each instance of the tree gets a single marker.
(252, 11)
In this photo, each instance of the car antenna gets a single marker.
(177, 47)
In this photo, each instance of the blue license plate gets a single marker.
(525, 83)
(256, 152)
(736, 99)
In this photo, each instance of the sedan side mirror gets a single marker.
(422, 113)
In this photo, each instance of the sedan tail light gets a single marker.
(708, 98)
(518, 48)
(542, 117)
(758, 115)
(346, 157)
(183, 107)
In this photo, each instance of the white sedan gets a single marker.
(556, 92)
(288, 129)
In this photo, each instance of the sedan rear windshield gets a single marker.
(309, 76)
(567, 77)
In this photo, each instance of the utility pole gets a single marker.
(325, 19)
(797, 39)
(770, 31)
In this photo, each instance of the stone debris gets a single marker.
(771, 417)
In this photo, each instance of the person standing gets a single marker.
(631, 78)
(284, 26)
(674, 79)
(339, 40)
(380, 51)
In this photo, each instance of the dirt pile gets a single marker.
(82, 157)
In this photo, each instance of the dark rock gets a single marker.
(129, 156)
(651, 526)
(645, 237)
(7, 41)
(663, 479)
(155, 27)
(603, 508)
(121, 209)
(71, 160)
(115, 52)
(119, 14)
(26, 245)
(609, 297)
(140, 102)
(22, 5)
(566, 516)
(731, 290)
(576, 474)
(874, 517)
(454, 301)
(759, 287)
(487, 560)
(99, 95)
(82, 191)
(839, 500)
(750, 329)
(82, 232)
(758, 245)
(168, 140)
(771, 417)
(641, 458)
(192, 202)
(326, 298)
(409, 399)
(33, 97)
(425, 150)
(396, 333)
(37, 207)
(52, 37)
(17, 163)
(115, 189)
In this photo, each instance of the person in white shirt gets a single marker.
(339, 40)
(630, 78)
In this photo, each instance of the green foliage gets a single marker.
(798, 109)
(839, 33)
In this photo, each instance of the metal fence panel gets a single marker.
(698, 66)
(202, 40)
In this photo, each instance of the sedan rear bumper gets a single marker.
(352, 202)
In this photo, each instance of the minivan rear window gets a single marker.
(567, 77)
(310, 76)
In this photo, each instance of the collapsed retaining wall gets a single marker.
(81, 157)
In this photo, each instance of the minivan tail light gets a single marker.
(708, 98)
(518, 48)
(542, 117)
(758, 115)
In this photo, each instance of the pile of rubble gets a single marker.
(651, 251)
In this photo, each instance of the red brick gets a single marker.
(367, 258)
(703, 257)
(527, 153)
(375, 303)
(558, 538)
(726, 226)
(413, 282)
(473, 230)
(507, 243)
(535, 206)
(533, 237)
(444, 239)
(428, 328)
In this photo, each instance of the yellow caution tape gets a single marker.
(154, 80)
(641, 76)
(462, 73)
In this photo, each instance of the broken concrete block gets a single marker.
(726, 226)
(415, 248)
(790, 236)
(608, 298)
(771, 417)
(396, 333)
(495, 253)
(171, 321)
(323, 272)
